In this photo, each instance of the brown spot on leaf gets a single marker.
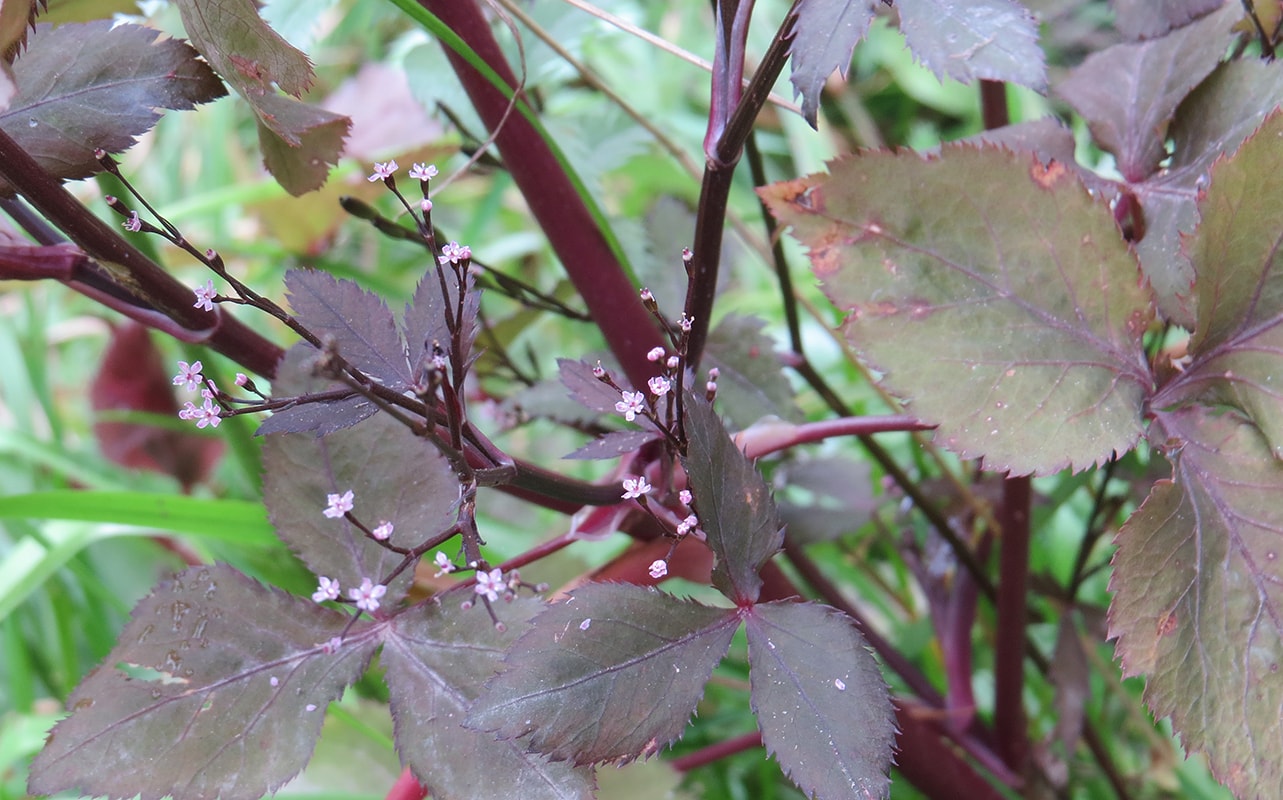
(1167, 623)
(1047, 176)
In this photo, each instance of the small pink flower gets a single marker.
(685, 496)
(658, 569)
(674, 362)
(337, 505)
(420, 172)
(205, 296)
(687, 525)
(659, 385)
(655, 354)
(367, 595)
(599, 371)
(241, 377)
(443, 564)
(453, 253)
(133, 224)
(490, 584)
(636, 487)
(189, 411)
(425, 205)
(332, 646)
(383, 532)
(207, 414)
(326, 589)
(646, 296)
(188, 375)
(382, 171)
(685, 323)
(632, 405)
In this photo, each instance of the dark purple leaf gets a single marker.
(217, 688)
(825, 37)
(733, 503)
(394, 475)
(1198, 595)
(299, 142)
(1129, 92)
(1145, 19)
(752, 384)
(994, 292)
(615, 444)
(358, 321)
(1237, 347)
(294, 378)
(613, 672)
(1213, 120)
(437, 658)
(824, 710)
(976, 39)
(425, 319)
(89, 85)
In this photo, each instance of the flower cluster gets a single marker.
(208, 413)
